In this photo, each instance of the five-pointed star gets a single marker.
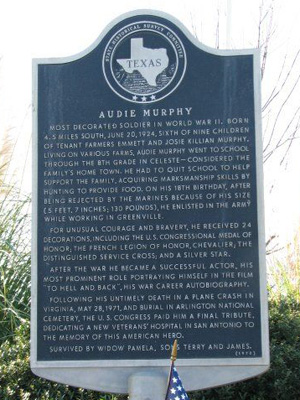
(144, 98)
(179, 388)
(153, 97)
(173, 391)
(134, 98)
(175, 380)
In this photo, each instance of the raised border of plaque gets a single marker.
(113, 375)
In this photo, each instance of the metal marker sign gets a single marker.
(148, 210)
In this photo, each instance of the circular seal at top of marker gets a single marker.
(144, 62)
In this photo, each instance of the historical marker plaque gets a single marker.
(148, 214)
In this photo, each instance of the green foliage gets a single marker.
(281, 382)
(14, 262)
(17, 382)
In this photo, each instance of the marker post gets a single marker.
(151, 384)
(148, 385)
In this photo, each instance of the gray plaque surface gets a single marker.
(148, 210)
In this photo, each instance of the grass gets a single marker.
(14, 262)
(284, 273)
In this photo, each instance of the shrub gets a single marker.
(19, 383)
